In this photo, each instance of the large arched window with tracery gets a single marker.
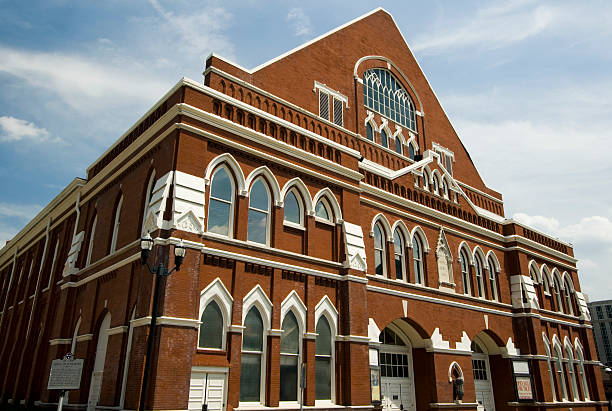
(383, 93)
(221, 203)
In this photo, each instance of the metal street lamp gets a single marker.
(160, 270)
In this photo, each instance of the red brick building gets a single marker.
(332, 218)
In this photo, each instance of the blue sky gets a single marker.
(527, 84)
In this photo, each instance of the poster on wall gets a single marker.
(523, 385)
(375, 384)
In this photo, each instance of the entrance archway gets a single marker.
(482, 376)
(396, 370)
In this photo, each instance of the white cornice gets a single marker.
(482, 193)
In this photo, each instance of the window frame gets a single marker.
(464, 262)
(479, 272)
(493, 278)
(301, 209)
(268, 213)
(299, 356)
(116, 224)
(401, 254)
(231, 202)
(418, 263)
(263, 359)
(380, 250)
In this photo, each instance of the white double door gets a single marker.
(207, 388)
(397, 379)
(482, 382)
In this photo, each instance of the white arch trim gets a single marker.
(380, 217)
(299, 185)
(231, 163)
(556, 343)
(294, 303)
(567, 277)
(258, 298)
(270, 179)
(451, 367)
(325, 308)
(419, 231)
(331, 199)
(465, 247)
(401, 226)
(491, 254)
(557, 275)
(478, 252)
(533, 265)
(578, 346)
(217, 292)
(546, 345)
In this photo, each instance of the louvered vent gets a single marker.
(324, 105)
(338, 112)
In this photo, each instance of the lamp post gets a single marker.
(160, 270)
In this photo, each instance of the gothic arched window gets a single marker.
(383, 93)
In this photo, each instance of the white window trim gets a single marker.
(268, 212)
(217, 292)
(326, 309)
(293, 303)
(300, 200)
(91, 241)
(116, 224)
(334, 93)
(150, 187)
(230, 232)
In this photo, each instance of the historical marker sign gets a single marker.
(65, 375)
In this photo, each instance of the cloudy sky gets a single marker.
(527, 84)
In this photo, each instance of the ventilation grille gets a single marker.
(338, 112)
(324, 105)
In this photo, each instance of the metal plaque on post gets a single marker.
(65, 374)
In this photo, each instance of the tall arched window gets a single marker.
(533, 273)
(369, 131)
(323, 211)
(221, 203)
(492, 278)
(384, 140)
(398, 145)
(294, 209)
(259, 213)
(568, 297)
(411, 151)
(383, 93)
(379, 250)
(551, 367)
(479, 282)
(289, 358)
(252, 358)
(436, 184)
(583, 380)
(116, 223)
(571, 371)
(465, 272)
(417, 258)
(211, 329)
(398, 246)
(560, 372)
(323, 360)
(557, 292)
(546, 281)
(444, 189)
(92, 234)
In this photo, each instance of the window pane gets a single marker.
(288, 377)
(221, 186)
(250, 375)
(218, 217)
(292, 208)
(321, 211)
(411, 151)
(252, 336)
(398, 145)
(323, 378)
(290, 339)
(258, 198)
(383, 138)
(369, 132)
(211, 329)
(378, 262)
(323, 342)
(258, 223)
(399, 267)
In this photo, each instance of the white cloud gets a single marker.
(22, 211)
(301, 22)
(596, 229)
(81, 82)
(512, 22)
(14, 129)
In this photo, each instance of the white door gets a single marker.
(207, 388)
(482, 382)
(396, 382)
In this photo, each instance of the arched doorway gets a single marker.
(396, 371)
(482, 377)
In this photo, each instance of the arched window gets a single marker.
(92, 234)
(560, 372)
(465, 272)
(259, 213)
(116, 223)
(147, 200)
(478, 269)
(323, 360)
(533, 273)
(436, 185)
(568, 297)
(557, 291)
(398, 145)
(444, 189)
(417, 258)
(385, 95)
(294, 209)
(289, 358)
(211, 329)
(570, 370)
(252, 358)
(379, 249)
(583, 380)
(492, 278)
(546, 281)
(398, 246)
(551, 367)
(323, 210)
(369, 131)
(411, 151)
(425, 180)
(221, 203)
(384, 140)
